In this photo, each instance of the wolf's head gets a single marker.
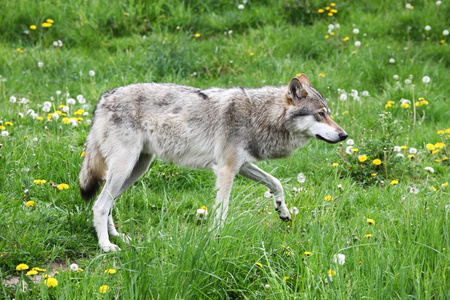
(309, 113)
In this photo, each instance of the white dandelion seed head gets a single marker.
(331, 27)
(23, 101)
(202, 214)
(392, 61)
(30, 111)
(350, 142)
(426, 79)
(40, 64)
(294, 210)
(266, 287)
(413, 190)
(412, 150)
(408, 5)
(365, 93)
(55, 44)
(89, 122)
(429, 169)
(5, 133)
(74, 267)
(65, 109)
(343, 97)
(91, 73)
(55, 116)
(71, 101)
(348, 150)
(73, 122)
(400, 155)
(339, 186)
(35, 139)
(60, 43)
(355, 30)
(408, 81)
(301, 178)
(438, 3)
(445, 32)
(339, 259)
(47, 104)
(357, 43)
(397, 148)
(428, 28)
(354, 93)
(85, 114)
(34, 116)
(241, 6)
(395, 77)
(58, 93)
(21, 115)
(46, 108)
(12, 99)
(405, 101)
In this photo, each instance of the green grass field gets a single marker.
(382, 202)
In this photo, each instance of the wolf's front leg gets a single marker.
(251, 171)
(225, 176)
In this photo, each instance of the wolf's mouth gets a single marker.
(319, 137)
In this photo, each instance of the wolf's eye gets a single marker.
(322, 114)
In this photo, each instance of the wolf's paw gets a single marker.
(283, 213)
(125, 238)
(107, 247)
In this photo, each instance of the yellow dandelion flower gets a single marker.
(82, 154)
(62, 186)
(39, 181)
(447, 130)
(411, 156)
(376, 162)
(104, 289)
(371, 221)
(197, 35)
(334, 11)
(432, 189)
(403, 147)
(332, 4)
(286, 278)
(439, 145)
(8, 124)
(32, 272)
(355, 150)
(2, 127)
(321, 75)
(418, 103)
(362, 158)
(346, 39)
(327, 8)
(430, 147)
(424, 102)
(110, 271)
(51, 282)
(259, 264)
(373, 174)
(368, 235)
(332, 33)
(330, 14)
(434, 152)
(40, 118)
(29, 203)
(46, 25)
(394, 182)
(66, 121)
(39, 269)
(33, 27)
(22, 267)
(335, 164)
(444, 185)
(328, 198)
(320, 10)
(50, 21)
(440, 132)
(307, 253)
(331, 273)
(251, 54)
(327, 36)
(204, 207)
(405, 105)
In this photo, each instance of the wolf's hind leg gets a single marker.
(120, 168)
(139, 169)
(252, 172)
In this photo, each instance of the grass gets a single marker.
(173, 255)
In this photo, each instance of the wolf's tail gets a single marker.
(92, 171)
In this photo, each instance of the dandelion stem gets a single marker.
(414, 105)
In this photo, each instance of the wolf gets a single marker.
(223, 129)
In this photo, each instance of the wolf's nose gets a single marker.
(343, 135)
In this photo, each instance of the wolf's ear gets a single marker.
(304, 80)
(296, 90)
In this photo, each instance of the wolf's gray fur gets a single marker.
(220, 129)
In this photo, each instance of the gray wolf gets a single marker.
(223, 129)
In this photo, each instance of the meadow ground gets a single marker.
(381, 203)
